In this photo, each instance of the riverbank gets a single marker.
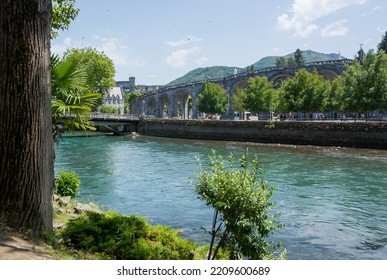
(85, 232)
(363, 134)
(21, 245)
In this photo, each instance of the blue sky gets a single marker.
(158, 41)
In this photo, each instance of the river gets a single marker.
(333, 200)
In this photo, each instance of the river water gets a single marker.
(333, 200)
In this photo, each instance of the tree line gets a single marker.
(362, 88)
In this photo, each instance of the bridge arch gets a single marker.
(240, 84)
(182, 104)
(151, 106)
(328, 74)
(165, 106)
(279, 79)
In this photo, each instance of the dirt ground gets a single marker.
(16, 246)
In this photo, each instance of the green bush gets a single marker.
(68, 184)
(125, 237)
(243, 217)
(109, 109)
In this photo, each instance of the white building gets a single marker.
(115, 98)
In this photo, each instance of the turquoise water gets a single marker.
(333, 200)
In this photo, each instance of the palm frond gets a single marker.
(70, 96)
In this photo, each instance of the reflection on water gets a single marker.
(333, 200)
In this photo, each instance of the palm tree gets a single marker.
(70, 99)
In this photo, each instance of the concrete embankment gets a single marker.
(320, 133)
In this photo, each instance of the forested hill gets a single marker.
(206, 73)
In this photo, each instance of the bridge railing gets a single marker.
(108, 116)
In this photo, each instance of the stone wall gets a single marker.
(346, 134)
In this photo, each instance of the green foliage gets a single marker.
(291, 62)
(258, 95)
(63, 12)
(129, 98)
(68, 184)
(305, 92)
(250, 69)
(70, 96)
(109, 109)
(280, 61)
(99, 68)
(212, 99)
(125, 238)
(240, 196)
(237, 100)
(382, 46)
(365, 87)
(299, 58)
(331, 102)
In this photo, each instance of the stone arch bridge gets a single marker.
(172, 101)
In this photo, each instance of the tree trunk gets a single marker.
(26, 145)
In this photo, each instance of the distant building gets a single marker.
(130, 86)
(115, 98)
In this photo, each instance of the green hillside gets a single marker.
(213, 72)
(310, 56)
(201, 74)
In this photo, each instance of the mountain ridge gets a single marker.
(213, 72)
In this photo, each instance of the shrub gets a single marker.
(68, 184)
(125, 237)
(108, 109)
(243, 214)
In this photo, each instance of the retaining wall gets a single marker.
(324, 133)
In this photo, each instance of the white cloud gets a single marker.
(335, 29)
(183, 41)
(276, 49)
(68, 43)
(304, 13)
(179, 58)
(114, 48)
(201, 61)
(378, 7)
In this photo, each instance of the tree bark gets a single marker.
(26, 145)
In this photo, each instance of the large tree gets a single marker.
(258, 95)
(305, 92)
(299, 58)
(63, 12)
(365, 86)
(100, 68)
(212, 99)
(26, 147)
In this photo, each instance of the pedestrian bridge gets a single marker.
(172, 101)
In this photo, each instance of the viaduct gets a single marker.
(167, 101)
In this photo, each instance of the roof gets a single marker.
(116, 92)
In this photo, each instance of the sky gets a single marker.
(158, 41)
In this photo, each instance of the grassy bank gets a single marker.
(84, 231)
